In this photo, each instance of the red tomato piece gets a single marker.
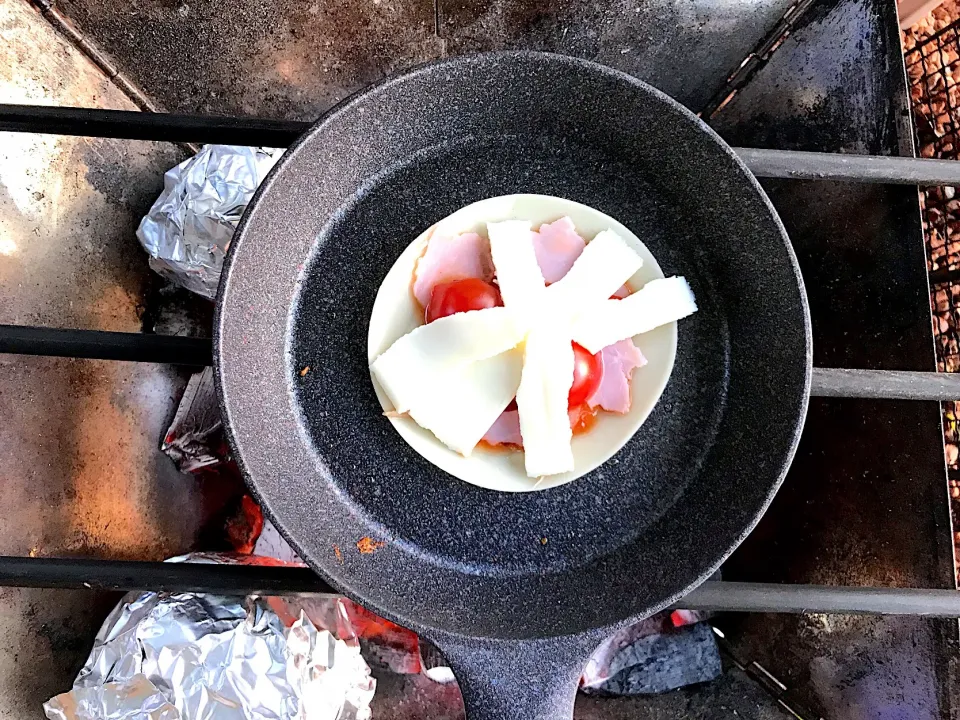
(462, 296)
(587, 374)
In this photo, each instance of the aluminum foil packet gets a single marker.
(195, 439)
(189, 656)
(189, 228)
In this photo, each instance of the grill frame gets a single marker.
(933, 69)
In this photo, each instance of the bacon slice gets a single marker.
(451, 258)
(557, 246)
(506, 430)
(619, 361)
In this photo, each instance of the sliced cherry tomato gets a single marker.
(587, 374)
(462, 296)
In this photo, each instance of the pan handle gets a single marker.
(517, 679)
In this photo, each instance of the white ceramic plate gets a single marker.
(396, 312)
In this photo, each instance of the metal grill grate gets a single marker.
(747, 597)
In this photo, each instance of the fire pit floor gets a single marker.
(81, 473)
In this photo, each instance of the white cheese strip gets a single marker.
(659, 302)
(605, 264)
(462, 404)
(414, 362)
(542, 400)
(518, 272)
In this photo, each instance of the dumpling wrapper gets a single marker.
(461, 405)
(518, 272)
(542, 400)
(605, 264)
(410, 368)
(657, 303)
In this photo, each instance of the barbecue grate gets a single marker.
(729, 596)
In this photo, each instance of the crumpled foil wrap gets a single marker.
(195, 439)
(189, 228)
(188, 656)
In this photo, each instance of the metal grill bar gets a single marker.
(101, 345)
(132, 125)
(175, 350)
(885, 384)
(853, 168)
(158, 576)
(280, 133)
(251, 579)
(802, 599)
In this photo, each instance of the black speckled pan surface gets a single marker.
(468, 567)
